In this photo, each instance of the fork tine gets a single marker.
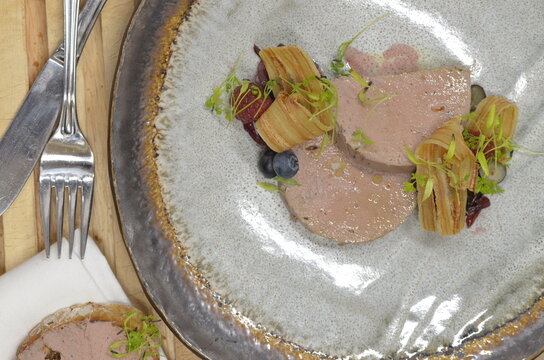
(86, 202)
(45, 205)
(72, 198)
(59, 187)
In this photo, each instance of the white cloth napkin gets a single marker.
(41, 286)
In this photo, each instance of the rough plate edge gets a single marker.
(522, 337)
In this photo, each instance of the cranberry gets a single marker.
(250, 128)
(261, 77)
(475, 204)
(253, 106)
(488, 150)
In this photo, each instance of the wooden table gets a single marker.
(30, 30)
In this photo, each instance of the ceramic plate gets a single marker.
(222, 259)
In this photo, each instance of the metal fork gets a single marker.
(67, 161)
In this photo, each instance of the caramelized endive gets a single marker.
(450, 175)
(298, 114)
(505, 110)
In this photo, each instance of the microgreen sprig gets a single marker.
(145, 341)
(338, 66)
(424, 181)
(367, 86)
(322, 101)
(222, 101)
(269, 186)
(274, 187)
(487, 187)
(219, 101)
(325, 100)
(495, 148)
(359, 135)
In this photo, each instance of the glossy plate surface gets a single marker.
(225, 264)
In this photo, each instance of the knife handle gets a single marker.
(87, 19)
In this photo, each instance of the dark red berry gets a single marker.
(475, 204)
(250, 129)
(251, 104)
(256, 49)
(488, 150)
(261, 77)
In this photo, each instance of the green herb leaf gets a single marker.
(469, 116)
(428, 189)
(367, 86)
(359, 79)
(245, 86)
(480, 156)
(500, 135)
(487, 187)
(359, 135)
(481, 140)
(269, 87)
(491, 117)
(324, 143)
(451, 150)
(268, 186)
(289, 181)
(409, 187)
(412, 157)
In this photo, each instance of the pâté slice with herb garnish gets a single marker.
(142, 337)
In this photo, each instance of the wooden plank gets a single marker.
(2, 253)
(94, 120)
(19, 238)
(55, 24)
(183, 352)
(37, 53)
(115, 20)
(14, 79)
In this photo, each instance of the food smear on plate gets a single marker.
(417, 104)
(343, 202)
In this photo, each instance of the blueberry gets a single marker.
(285, 164)
(265, 164)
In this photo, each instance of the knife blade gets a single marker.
(30, 129)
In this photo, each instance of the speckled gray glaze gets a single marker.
(408, 293)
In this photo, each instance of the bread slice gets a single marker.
(84, 331)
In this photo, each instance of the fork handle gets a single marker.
(68, 119)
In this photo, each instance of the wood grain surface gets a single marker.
(30, 30)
